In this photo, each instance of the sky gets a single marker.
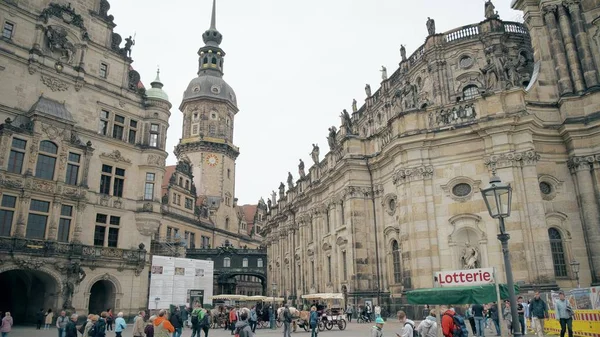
(294, 65)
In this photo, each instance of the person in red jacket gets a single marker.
(448, 323)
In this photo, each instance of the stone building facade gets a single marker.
(396, 198)
(84, 191)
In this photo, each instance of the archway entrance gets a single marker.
(25, 292)
(102, 297)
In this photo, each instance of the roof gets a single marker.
(51, 108)
(249, 212)
(156, 91)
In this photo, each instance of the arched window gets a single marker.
(226, 262)
(396, 262)
(558, 253)
(470, 91)
(245, 263)
(214, 60)
(46, 160)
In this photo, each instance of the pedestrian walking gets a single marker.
(428, 327)
(7, 323)
(408, 326)
(377, 311)
(205, 322)
(495, 316)
(287, 319)
(149, 329)
(377, 330)
(70, 328)
(88, 326)
(61, 323)
(232, 319)
(564, 314)
(314, 321)
(507, 316)
(479, 318)
(242, 326)
(48, 319)
(196, 317)
(521, 312)
(177, 322)
(39, 319)
(100, 326)
(162, 326)
(539, 312)
(138, 324)
(253, 319)
(109, 319)
(349, 312)
(469, 316)
(120, 325)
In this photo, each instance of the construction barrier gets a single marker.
(586, 323)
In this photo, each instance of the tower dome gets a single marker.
(156, 91)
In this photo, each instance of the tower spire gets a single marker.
(213, 19)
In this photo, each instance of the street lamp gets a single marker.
(274, 286)
(497, 197)
(575, 268)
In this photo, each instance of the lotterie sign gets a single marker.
(468, 277)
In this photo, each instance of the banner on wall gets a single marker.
(172, 279)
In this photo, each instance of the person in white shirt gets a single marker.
(408, 326)
(377, 311)
(428, 327)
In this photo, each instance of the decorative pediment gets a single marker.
(341, 241)
(116, 157)
(391, 231)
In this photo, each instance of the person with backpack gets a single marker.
(204, 322)
(232, 319)
(408, 326)
(196, 317)
(287, 320)
(428, 327)
(479, 317)
(453, 324)
(176, 322)
(376, 331)
(253, 319)
(538, 311)
(494, 315)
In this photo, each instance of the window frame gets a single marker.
(115, 180)
(245, 262)
(259, 263)
(104, 126)
(107, 225)
(37, 213)
(154, 137)
(12, 29)
(16, 151)
(132, 131)
(103, 70)
(226, 262)
(118, 124)
(559, 256)
(470, 92)
(42, 167)
(5, 210)
(65, 220)
(72, 165)
(396, 262)
(149, 183)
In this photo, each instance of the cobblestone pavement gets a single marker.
(353, 330)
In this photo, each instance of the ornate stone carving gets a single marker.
(451, 190)
(103, 11)
(57, 42)
(29, 263)
(314, 154)
(54, 83)
(117, 203)
(115, 156)
(103, 200)
(66, 13)
(43, 186)
(115, 42)
(8, 183)
(583, 163)
(412, 174)
(430, 26)
(155, 160)
(549, 186)
(389, 203)
(147, 228)
(511, 159)
(133, 80)
(326, 246)
(470, 257)
(455, 115)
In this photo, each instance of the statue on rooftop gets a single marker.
(368, 90)
(314, 154)
(281, 191)
(430, 26)
(354, 105)
(403, 52)
(346, 122)
(301, 169)
(383, 73)
(490, 10)
(331, 138)
(290, 181)
(274, 197)
(129, 42)
(269, 205)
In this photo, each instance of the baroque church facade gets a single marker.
(397, 195)
(85, 195)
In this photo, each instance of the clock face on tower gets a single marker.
(212, 160)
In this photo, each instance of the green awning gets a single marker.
(458, 295)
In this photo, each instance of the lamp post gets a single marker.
(575, 268)
(498, 196)
(273, 312)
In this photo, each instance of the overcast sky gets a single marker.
(293, 64)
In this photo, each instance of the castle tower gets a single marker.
(209, 107)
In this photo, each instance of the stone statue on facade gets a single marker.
(490, 72)
(523, 69)
(331, 138)
(513, 78)
(368, 90)
(490, 10)
(74, 275)
(354, 105)
(290, 181)
(470, 256)
(301, 169)
(269, 205)
(129, 42)
(274, 197)
(430, 26)
(383, 73)
(314, 154)
(403, 52)
(346, 122)
(58, 43)
(281, 191)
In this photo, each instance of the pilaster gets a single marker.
(565, 86)
(570, 48)
(583, 45)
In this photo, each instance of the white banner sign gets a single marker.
(469, 277)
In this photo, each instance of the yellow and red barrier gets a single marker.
(586, 323)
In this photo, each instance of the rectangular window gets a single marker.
(245, 263)
(169, 233)
(132, 131)
(37, 219)
(149, 187)
(8, 30)
(189, 203)
(99, 234)
(7, 212)
(192, 241)
(329, 269)
(194, 129)
(73, 168)
(118, 180)
(103, 127)
(17, 156)
(45, 167)
(64, 224)
(344, 266)
(118, 127)
(103, 70)
(259, 263)
(113, 237)
(106, 232)
(205, 242)
(154, 131)
(105, 179)
(226, 262)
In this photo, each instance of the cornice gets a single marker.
(512, 159)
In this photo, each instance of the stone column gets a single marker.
(86, 167)
(565, 86)
(80, 208)
(52, 233)
(571, 50)
(580, 168)
(25, 200)
(537, 218)
(583, 45)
